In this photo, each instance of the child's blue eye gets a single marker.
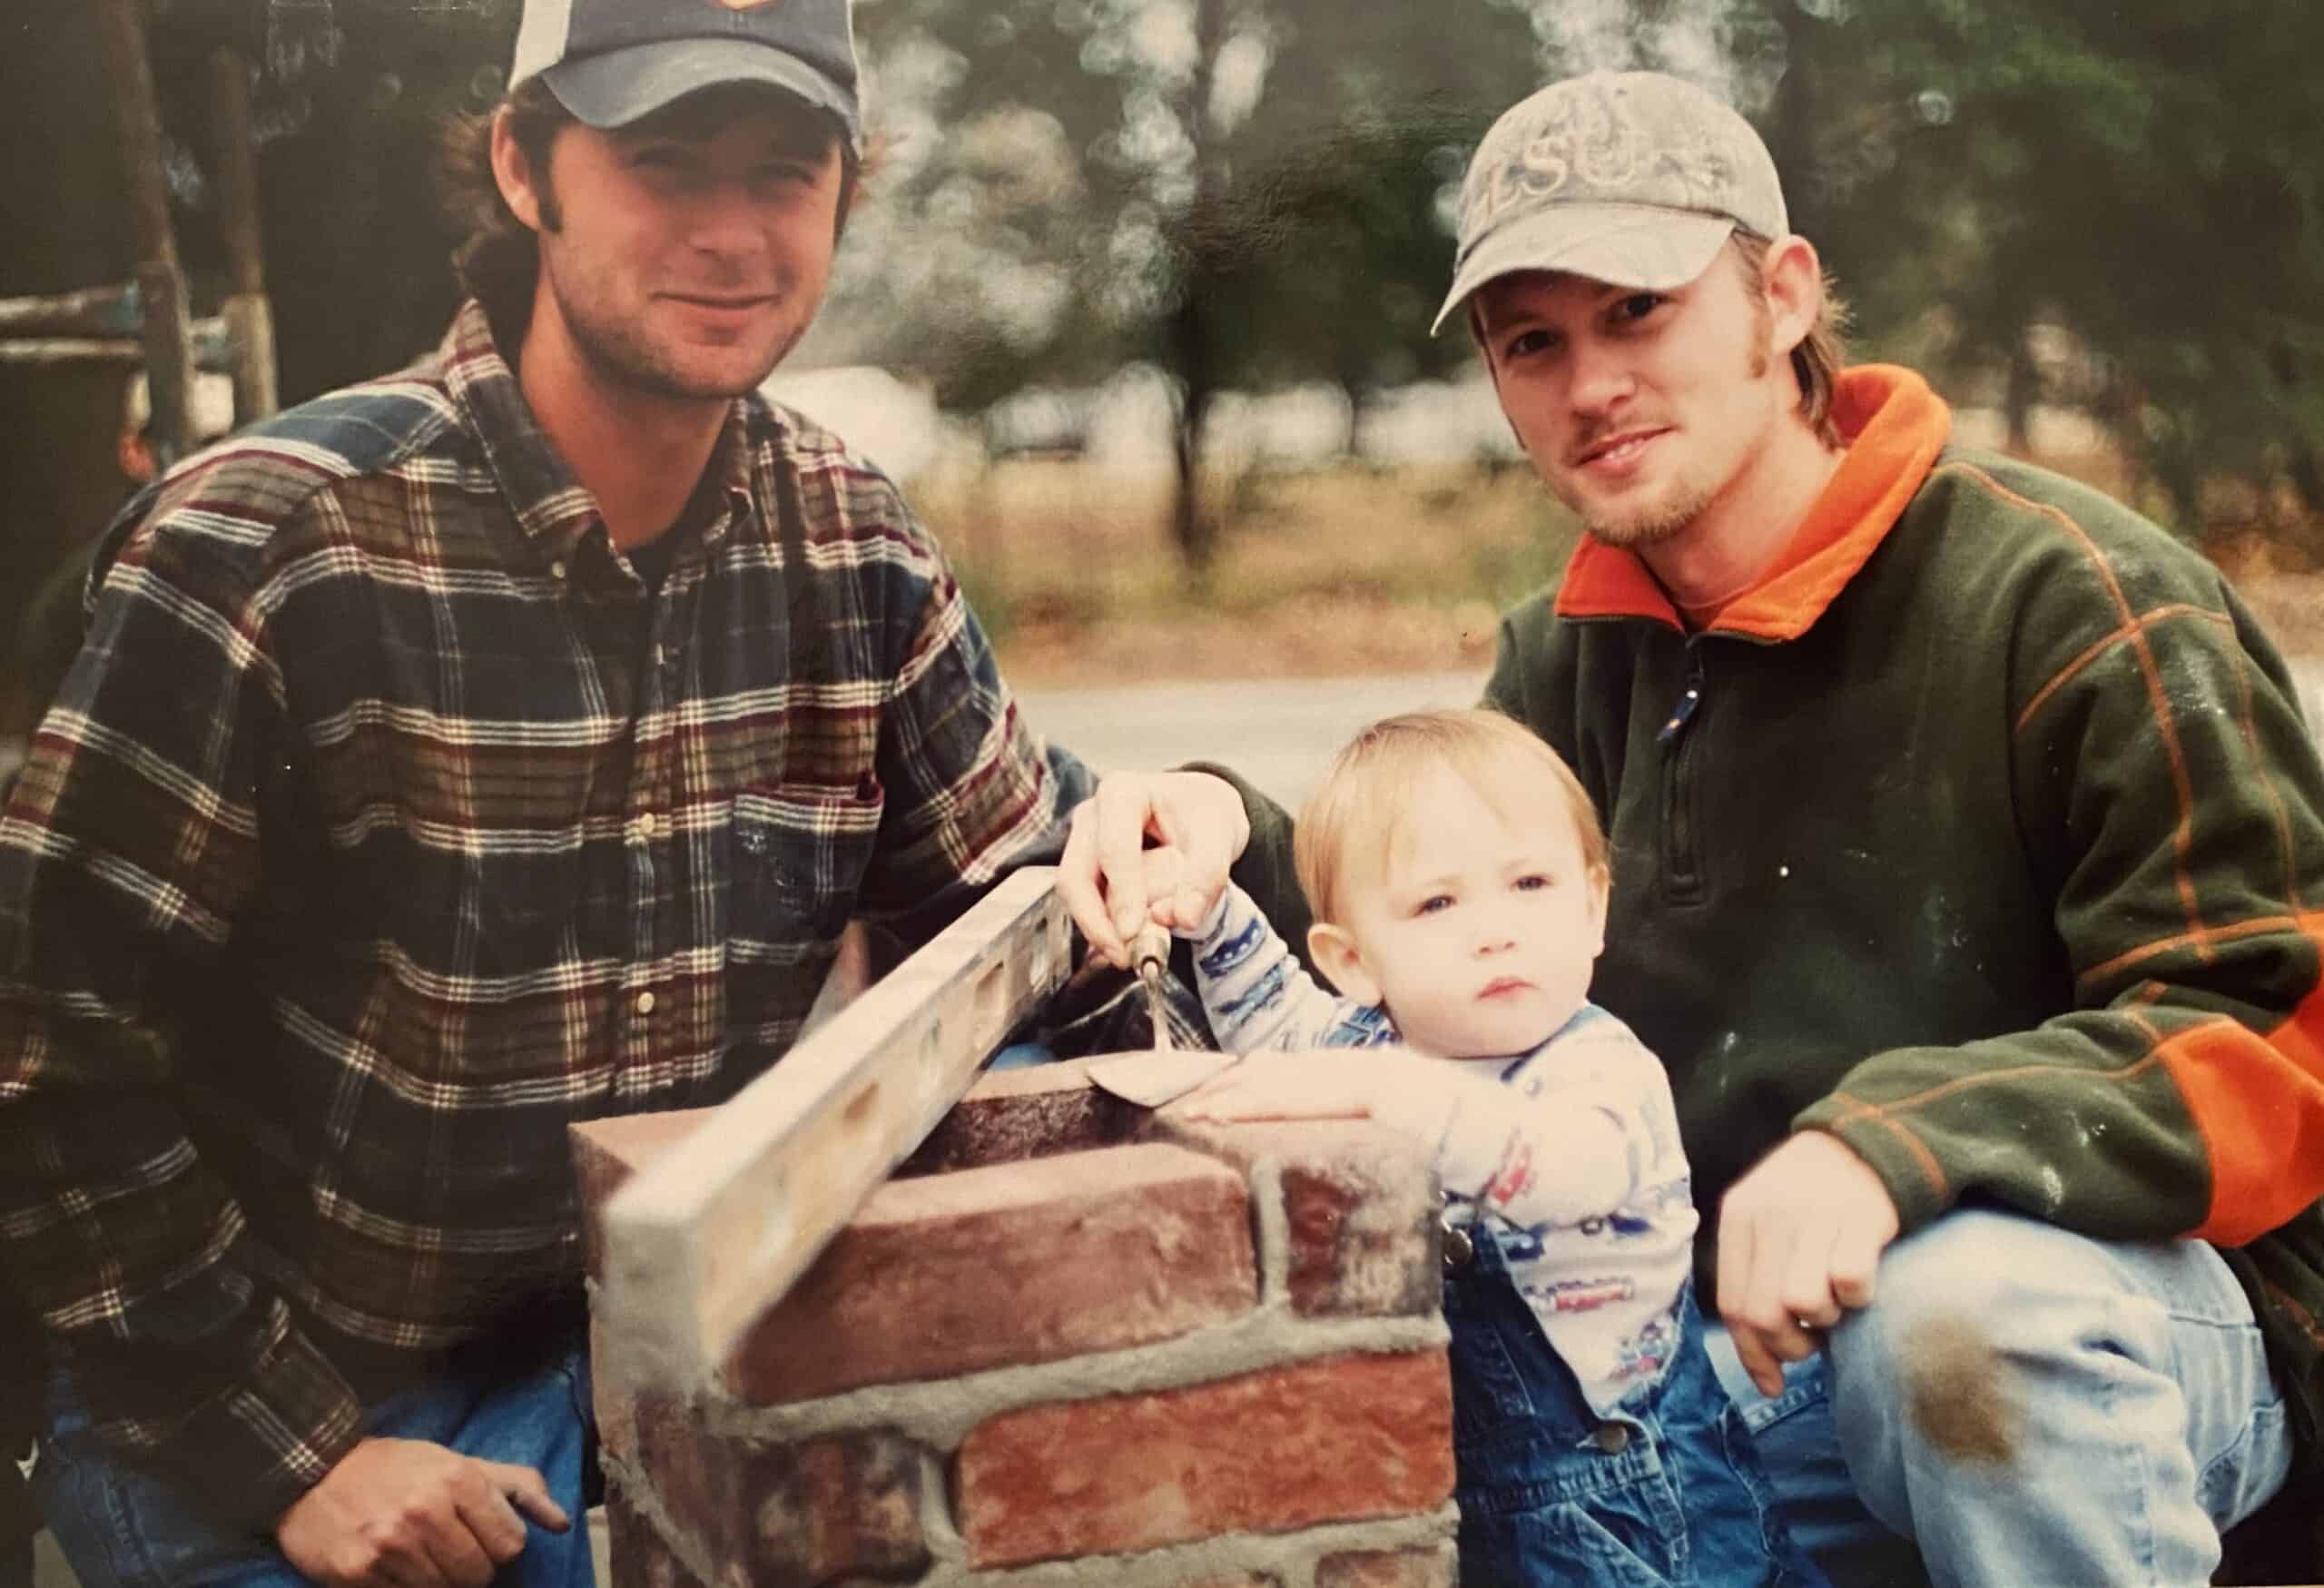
(1433, 903)
(1530, 881)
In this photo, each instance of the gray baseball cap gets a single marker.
(1630, 178)
(610, 61)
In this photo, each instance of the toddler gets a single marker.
(1458, 877)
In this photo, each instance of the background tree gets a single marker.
(1259, 180)
(2140, 177)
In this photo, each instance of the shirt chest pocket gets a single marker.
(800, 856)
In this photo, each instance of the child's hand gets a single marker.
(1399, 1090)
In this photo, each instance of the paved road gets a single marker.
(1281, 732)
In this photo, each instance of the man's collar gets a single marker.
(551, 505)
(1895, 426)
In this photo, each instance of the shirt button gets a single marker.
(648, 825)
(645, 1004)
(1460, 1251)
(556, 569)
(1613, 1438)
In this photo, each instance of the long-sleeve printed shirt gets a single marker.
(1576, 1166)
(388, 824)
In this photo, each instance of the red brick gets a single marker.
(1343, 1439)
(805, 1513)
(1020, 1114)
(1364, 1210)
(606, 1152)
(1431, 1566)
(837, 1506)
(1019, 1263)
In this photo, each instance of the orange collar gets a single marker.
(1895, 426)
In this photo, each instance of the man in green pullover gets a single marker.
(1968, 876)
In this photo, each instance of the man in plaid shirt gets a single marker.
(498, 744)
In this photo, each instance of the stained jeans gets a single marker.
(121, 1527)
(1553, 1496)
(2028, 1406)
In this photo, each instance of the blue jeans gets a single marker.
(2027, 1406)
(1550, 1494)
(122, 1527)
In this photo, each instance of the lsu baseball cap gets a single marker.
(1630, 178)
(610, 61)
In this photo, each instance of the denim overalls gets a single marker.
(1669, 1493)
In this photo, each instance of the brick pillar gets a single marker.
(1073, 1347)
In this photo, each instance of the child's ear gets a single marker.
(1601, 883)
(1342, 963)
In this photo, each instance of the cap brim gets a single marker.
(1623, 245)
(617, 88)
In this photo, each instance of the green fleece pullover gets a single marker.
(1983, 834)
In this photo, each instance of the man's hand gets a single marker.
(1799, 1241)
(1113, 884)
(407, 1514)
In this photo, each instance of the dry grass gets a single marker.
(1339, 570)
(1346, 568)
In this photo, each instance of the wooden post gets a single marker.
(249, 313)
(161, 284)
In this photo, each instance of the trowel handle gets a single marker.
(1151, 946)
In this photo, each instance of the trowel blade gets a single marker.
(1157, 1016)
(1150, 1080)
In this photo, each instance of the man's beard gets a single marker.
(1651, 526)
(624, 353)
(1665, 520)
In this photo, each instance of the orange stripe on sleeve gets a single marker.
(2158, 698)
(2067, 674)
(2208, 938)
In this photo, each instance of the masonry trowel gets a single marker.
(1151, 1080)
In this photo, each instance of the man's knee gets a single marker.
(1959, 1312)
(1989, 1331)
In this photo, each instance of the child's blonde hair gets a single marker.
(1370, 787)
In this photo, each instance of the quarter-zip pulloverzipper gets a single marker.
(1682, 877)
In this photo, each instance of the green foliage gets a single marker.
(2143, 174)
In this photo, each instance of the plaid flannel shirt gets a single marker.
(386, 823)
